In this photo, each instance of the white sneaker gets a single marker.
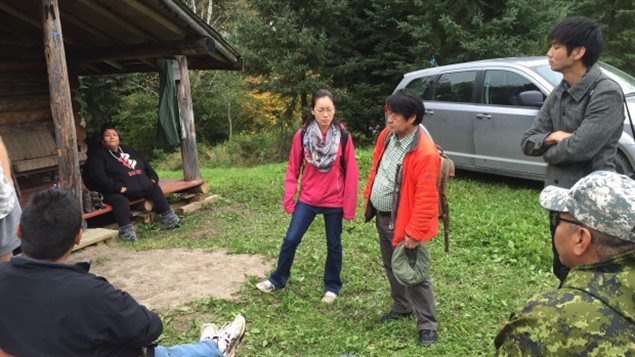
(230, 336)
(329, 297)
(266, 287)
(208, 332)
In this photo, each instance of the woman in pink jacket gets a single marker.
(322, 154)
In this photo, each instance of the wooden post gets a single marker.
(189, 153)
(61, 107)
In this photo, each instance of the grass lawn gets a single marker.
(499, 257)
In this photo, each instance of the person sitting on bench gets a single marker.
(120, 174)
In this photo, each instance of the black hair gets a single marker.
(407, 103)
(579, 31)
(49, 224)
(106, 127)
(320, 93)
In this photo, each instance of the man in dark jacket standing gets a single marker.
(49, 307)
(580, 123)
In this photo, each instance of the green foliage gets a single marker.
(288, 45)
(499, 257)
(129, 102)
(616, 18)
(224, 107)
(358, 49)
(365, 47)
(243, 150)
(259, 149)
(138, 124)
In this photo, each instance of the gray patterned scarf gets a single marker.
(319, 152)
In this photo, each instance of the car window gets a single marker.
(424, 87)
(455, 87)
(503, 87)
(544, 70)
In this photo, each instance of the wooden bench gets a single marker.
(167, 186)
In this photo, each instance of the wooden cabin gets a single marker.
(46, 45)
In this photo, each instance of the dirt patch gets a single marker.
(165, 278)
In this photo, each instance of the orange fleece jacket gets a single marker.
(417, 206)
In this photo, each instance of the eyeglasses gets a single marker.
(556, 219)
(325, 110)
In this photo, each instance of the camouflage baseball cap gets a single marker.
(603, 200)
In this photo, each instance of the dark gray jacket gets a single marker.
(593, 111)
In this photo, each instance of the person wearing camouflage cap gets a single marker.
(593, 313)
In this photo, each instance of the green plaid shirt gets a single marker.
(384, 185)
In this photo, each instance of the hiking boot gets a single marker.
(127, 233)
(208, 332)
(266, 286)
(170, 219)
(427, 337)
(391, 316)
(230, 336)
(329, 297)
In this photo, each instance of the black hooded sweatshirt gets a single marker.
(108, 171)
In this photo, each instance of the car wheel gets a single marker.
(622, 165)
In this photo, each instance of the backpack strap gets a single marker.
(446, 170)
(628, 112)
(343, 142)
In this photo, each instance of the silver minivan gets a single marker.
(477, 111)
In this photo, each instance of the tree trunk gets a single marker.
(61, 107)
(189, 152)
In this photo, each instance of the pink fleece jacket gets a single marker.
(322, 189)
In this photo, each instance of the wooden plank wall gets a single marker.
(25, 104)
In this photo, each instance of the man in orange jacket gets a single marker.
(401, 192)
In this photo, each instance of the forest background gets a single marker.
(359, 49)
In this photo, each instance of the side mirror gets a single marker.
(531, 98)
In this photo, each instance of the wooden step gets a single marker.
(94, 236)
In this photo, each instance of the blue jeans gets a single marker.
(300, 222)
(205, 348)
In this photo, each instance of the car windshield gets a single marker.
(625, 80)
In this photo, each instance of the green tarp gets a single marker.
(168, 126)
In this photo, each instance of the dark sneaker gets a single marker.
(391, 316)
(170, 220)
(427, 337)
(127, 233)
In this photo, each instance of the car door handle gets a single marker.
(429, 112)
(484, 116)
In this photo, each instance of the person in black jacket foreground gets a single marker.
(120, 174)
(50, 307)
